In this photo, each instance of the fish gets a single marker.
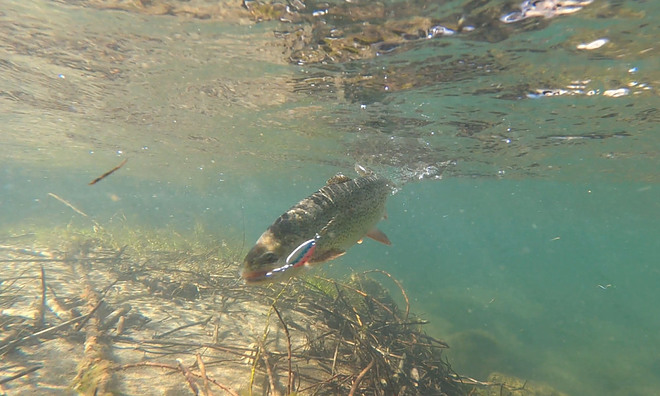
(320, 228)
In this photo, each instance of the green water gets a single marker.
(525, 227)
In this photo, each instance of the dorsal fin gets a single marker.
(338, 178)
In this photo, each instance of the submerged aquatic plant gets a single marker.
(138, 308)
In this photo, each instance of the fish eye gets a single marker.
(268, 258)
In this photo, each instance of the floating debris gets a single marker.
(577, 88)
(439, 30)
(108, 173)
(541, 92)
(593, 45)
(544, 9)
(616, 93)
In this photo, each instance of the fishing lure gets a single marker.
(301, 255)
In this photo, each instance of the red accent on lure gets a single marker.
(301, 255)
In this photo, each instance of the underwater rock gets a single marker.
(478, 353)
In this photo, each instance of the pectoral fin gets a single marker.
(378, 235)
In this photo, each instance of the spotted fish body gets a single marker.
(330, 221)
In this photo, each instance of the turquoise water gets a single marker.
(551, 281)
(525, 227)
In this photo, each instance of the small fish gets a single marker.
(320, 228)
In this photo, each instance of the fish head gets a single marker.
(266, 261)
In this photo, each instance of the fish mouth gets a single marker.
(265, 275)
(252, 277)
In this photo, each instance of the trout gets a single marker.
(319, 228)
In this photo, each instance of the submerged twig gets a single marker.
(265, 334)
(269, 372)
(12, 344)
(403, 291)
(334, 356)
(360, 376)
(89, 315)
(289, 386)
(176, 368)
(188, 376)
(20, 374)
(201, 322)
(69, 204)
(39, 321)
(238, 351)
(28, 252)
(360, 292)
(97, 226)
(59, 260)
(202, 372)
